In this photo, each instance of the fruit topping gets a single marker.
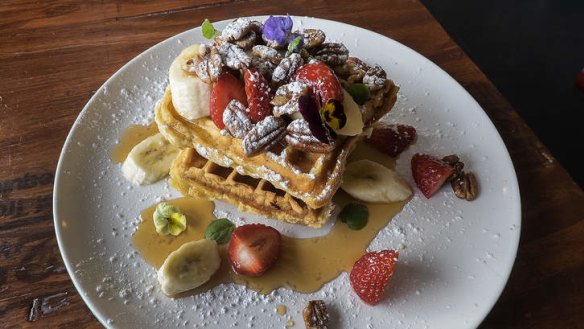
(254, 248)
(370, 181)
(225, 89)
(220, 230)
(263, 135)
(310, 109)
(392, 139)
(168, 219)
(258, 94)
(321, 79)
(316, 315)
(149, 161)
(189, 266)
(371, 273)
(430, 173)
(355, 216)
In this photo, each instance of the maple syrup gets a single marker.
(130, 138)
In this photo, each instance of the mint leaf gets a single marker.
(355, 216)
(220, 230)
(359, 92)
(293, 45)
(208, 30)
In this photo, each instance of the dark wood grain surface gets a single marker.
(55, 54)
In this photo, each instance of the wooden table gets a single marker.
(55, 54)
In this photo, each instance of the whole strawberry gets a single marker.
(258, 94)
(371, 273)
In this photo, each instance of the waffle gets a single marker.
(196, 176)
(312, 178)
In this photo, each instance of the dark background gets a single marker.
(532, 51)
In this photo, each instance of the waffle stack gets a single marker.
(281, 183)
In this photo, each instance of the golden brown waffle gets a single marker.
(311, 177)
(193, 175)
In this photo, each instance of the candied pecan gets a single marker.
(287, 67)
(233, 56)
(300, 137)
(265, 68)
(465, 186)
(316, 315)
(263, 135)
(332, 54)
(313, 38)
(248, 41)
(206, 65)
(375, 78)
(353, 70)
(267, 54)
(454, 161)
(242, 32)
(236, 120)
(285, 100)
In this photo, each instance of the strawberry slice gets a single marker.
(371, 273)
(225, 89)
(321, 79)
(258, 94)
(392, 139)
(430, 173)
(253, 249)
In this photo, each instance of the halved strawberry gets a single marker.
(225, 89)
(258, 94)
(392, 139)
(430, 173)
(253, 249)
(322, 79)
(371, 273)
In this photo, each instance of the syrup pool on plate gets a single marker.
(305, 265)
(131, 137)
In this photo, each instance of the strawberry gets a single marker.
(321, 79)
(430, 173)
(225, 89)
(392, 139)
(371, 273)
(580, 80)
(258, 94)
(253, 249)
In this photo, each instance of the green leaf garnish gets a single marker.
(293, 45)
(168, 219)
(355, 216)
(220, 230)
(359, 92)
(209, 32)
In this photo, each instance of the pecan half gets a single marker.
(206, 65)
(352, 71)
(313, 38)
(267, 54)
(375, 78)
(233, 56)
(263, 135)
(300, 137)
(316, 315)
(287, 68)
(333, 54)
(465, 186)
(236, 120)
(241, 29)
(285, 100)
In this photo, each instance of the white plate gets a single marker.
(457, 256)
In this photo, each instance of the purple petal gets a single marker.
(277, 28)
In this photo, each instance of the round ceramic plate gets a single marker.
(455, 255)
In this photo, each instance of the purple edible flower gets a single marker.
(278, 29)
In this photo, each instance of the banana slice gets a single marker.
(149, 161)
(189, 266)
(371, 182)
(190, 95)
(354, 125)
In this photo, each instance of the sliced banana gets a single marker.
(354, 125)
(190, 95)
(149, 161)
(189, 266)
(371, 182)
